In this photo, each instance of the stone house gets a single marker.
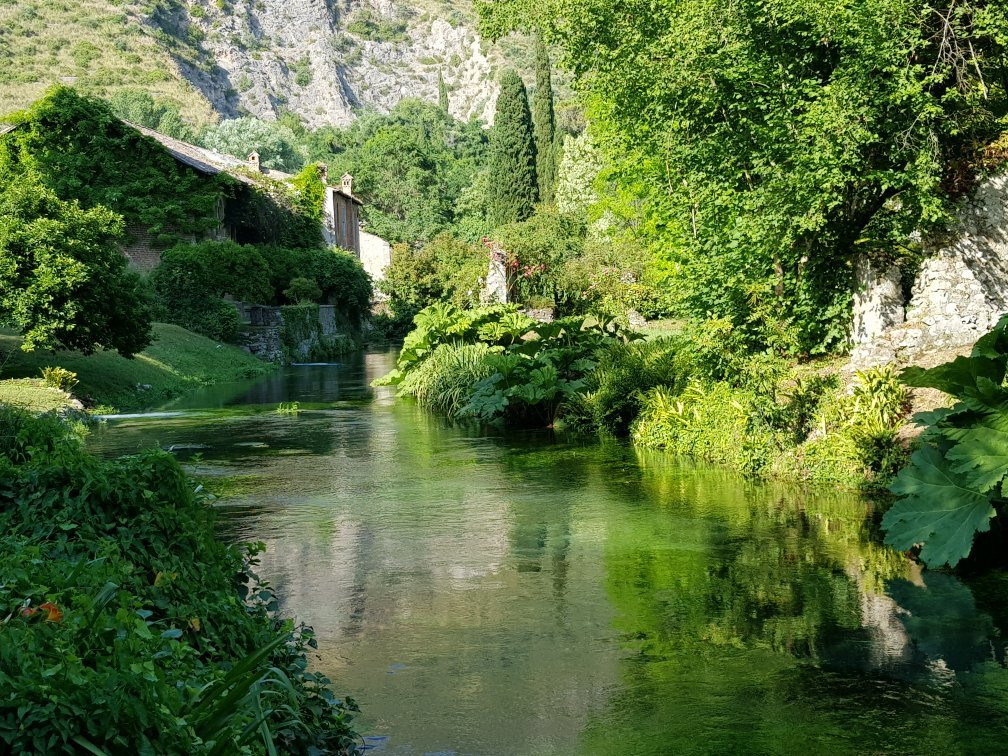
(341, 221)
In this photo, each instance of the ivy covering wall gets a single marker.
(82, 151)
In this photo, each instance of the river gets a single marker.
(483, 592)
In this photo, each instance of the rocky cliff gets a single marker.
(322, 59)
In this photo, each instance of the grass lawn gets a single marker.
(33, 394)
(176, 362)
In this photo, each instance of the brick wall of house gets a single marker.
(140, 249)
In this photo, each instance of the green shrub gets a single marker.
(129, 624)
(625, 373)
(530, 368)
(84, 53)
(183, 284)
(59, 378)
(303, 291)
(63, 278)
(218, 267)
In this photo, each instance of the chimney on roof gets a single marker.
(253, 161)
(347, 184)
(323, 172)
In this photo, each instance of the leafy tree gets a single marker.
(761, 145)
(141, 108)
(442, 90)
(410, 168)
(512, 158)
(82, 151)
(577, 174)
(276, 144)
(63, 279)
(446, 268)
(545, 124)
(342, 282)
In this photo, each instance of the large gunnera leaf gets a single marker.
(938, 510)
(980, 457)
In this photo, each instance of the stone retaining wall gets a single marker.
(266, 332)
(960, 292)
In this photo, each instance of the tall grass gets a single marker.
(445, 380)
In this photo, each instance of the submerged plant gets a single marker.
(288, 408)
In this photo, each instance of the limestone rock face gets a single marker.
(322, 59)
(960, 292)
(878, 301)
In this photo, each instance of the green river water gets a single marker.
(481, 592)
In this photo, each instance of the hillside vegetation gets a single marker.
(177, 361)
(97, 45)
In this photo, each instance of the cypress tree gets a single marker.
(442, 91)
(512, 161)
(545, 124)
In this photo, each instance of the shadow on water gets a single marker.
(482, 592)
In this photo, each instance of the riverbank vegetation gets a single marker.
(953, 486)
(128, 624)
(176, 361)
(691, 394)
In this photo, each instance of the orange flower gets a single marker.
(53, 613)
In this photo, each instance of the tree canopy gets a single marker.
(275, 142)
(63, 278)
(544, 123)
(409, 167)
(762, 145)
(512, 160)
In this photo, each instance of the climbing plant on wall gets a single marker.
(79, 148)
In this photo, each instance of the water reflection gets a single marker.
(487, 593)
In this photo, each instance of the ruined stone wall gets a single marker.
(959, 294)
(296, 333)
